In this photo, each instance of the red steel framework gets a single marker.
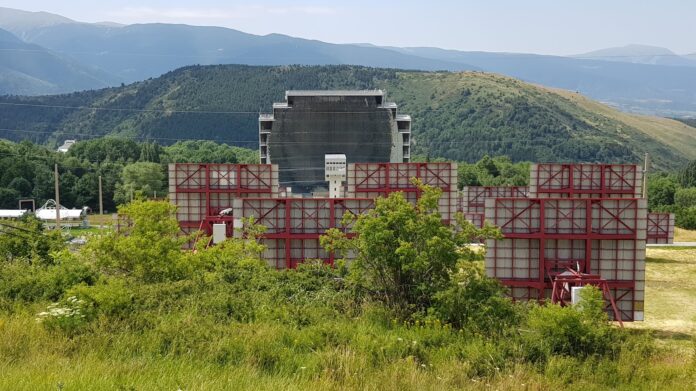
(544, 237)
(294, 225)
(473, 198)
(660, 228)
(477, 219)
(559, 180)
(202, 190)
(371, 180)
(563, 283)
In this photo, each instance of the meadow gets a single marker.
(120, 315)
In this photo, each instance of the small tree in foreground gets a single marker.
(405, 253)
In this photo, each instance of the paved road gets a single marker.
(675, 244)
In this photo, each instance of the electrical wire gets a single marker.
(222, 54)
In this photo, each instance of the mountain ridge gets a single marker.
(141, 51)
(457, 115)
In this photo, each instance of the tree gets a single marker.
(9, 198)
(22, 186)
(685, 198)
(661, 191)
(488, 165)
(140, 179)
(687, 177)
(200, 151)
(87, 190)
(405, 253)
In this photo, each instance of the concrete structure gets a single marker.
(310, 124)
(335, 173)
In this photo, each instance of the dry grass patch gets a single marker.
(684, 235)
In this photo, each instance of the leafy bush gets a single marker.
(27, 239)
(21, 280)
(148, 249)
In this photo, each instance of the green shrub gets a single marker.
(149, 249)
(112, 297)
(24, 281)
(475, 302)
(30, 241)
(578, 331)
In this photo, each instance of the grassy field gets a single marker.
(97, 219)
(670, 297)
(133, 312)
(684, 235)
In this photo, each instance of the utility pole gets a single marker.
(101, 202)
(55, 168)
(645, 175)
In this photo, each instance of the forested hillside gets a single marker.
(127, 169)
(460, 116)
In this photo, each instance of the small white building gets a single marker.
(12, 213)
(335, 173)
(66, 146)
(48, 213)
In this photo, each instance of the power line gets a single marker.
(416, 141)
(222, 54)
(242, 112)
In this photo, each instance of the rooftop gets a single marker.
(334, 93)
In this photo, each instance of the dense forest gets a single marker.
(459, 116)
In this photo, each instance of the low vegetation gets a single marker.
(130, 311)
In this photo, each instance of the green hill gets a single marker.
(460, 116)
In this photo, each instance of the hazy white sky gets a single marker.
(532, 26)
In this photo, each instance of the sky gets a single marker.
(560, 27)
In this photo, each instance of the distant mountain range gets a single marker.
(459, 116)
(641, 54)
(30, 69)
(108, 54)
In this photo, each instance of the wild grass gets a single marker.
(132, 312)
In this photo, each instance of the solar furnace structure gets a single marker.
(310, 124)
